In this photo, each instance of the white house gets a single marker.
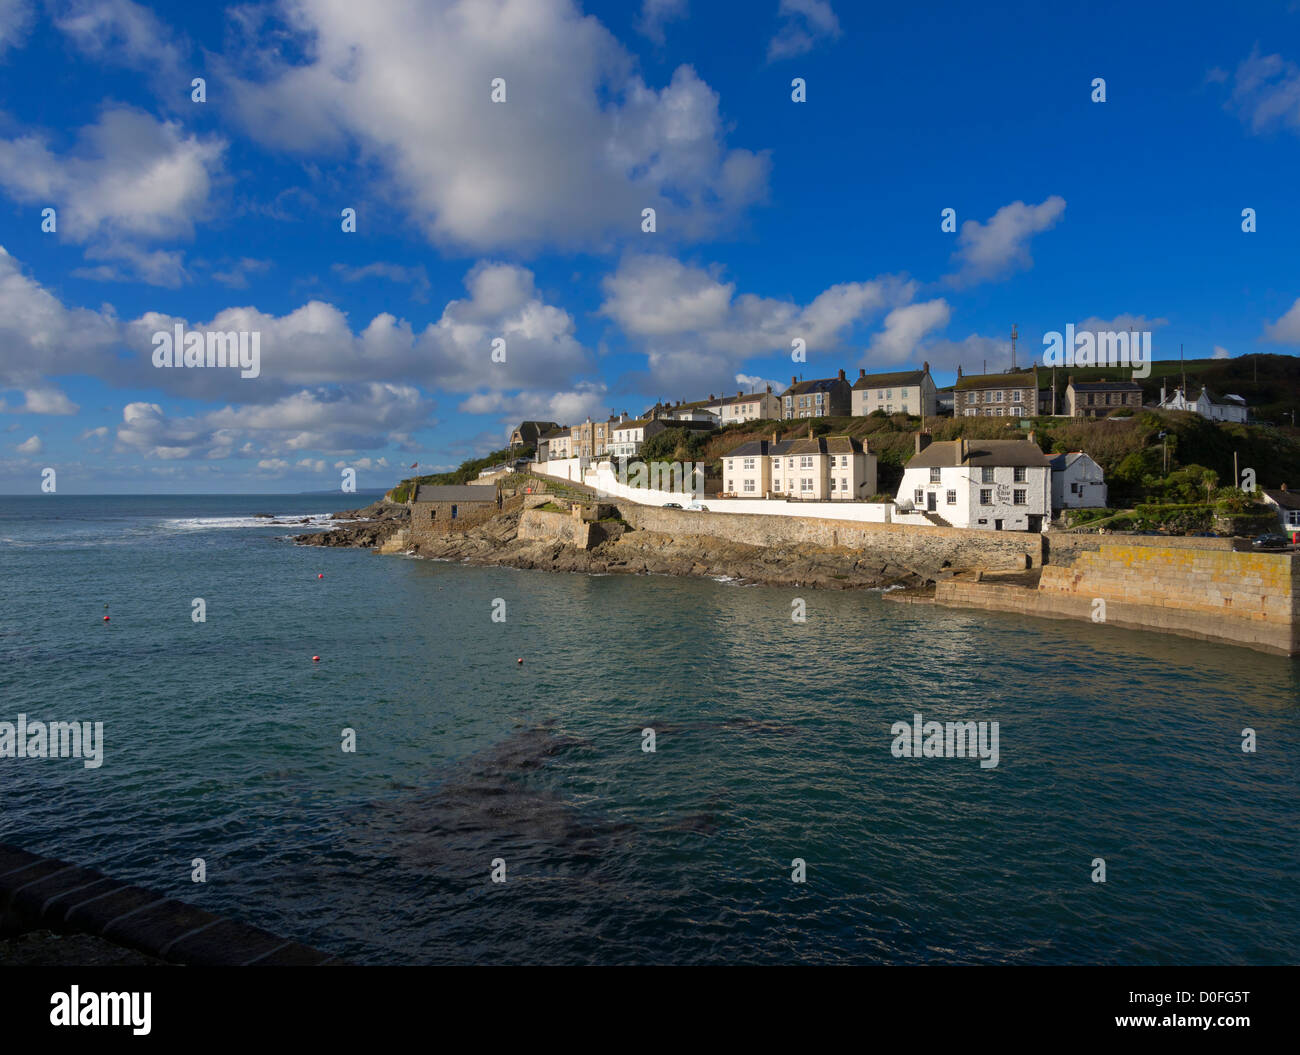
(1077, 482)
(815, 469)
(905, 392)
(1287, 504)
(993, 485)
(1230, 408)
(741, 407)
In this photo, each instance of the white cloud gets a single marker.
(415, 277)
(904, 329)
(654, 15)
(237, 274)
(31, 445)
(804, 24)
(15, 21)
(1221, 353)
(997, 248)
(1266, 92)
(44, 400)
(696, 332)
(130, 175)
(587, 399)
(579, 148)
(123, 33)
(1287, 329)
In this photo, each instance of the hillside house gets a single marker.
(1014, 395)
(1287, 504)
(1229, 408)
(814, 469)
(902, 392)
(1077, 482)
(820, 398)
(1095, 399)
(993, 485)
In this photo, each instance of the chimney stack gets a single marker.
(861, 372)
(923, 440)
(793, 380)
(962, 451)
(925, 366)
(739, 395)
(841, 375)
(774, 440)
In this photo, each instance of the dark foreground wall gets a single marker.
(46, 893)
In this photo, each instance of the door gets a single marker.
(997, 525)
(931, 501)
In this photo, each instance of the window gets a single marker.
(731, 463)
(903, 393)
(1018, 496)
(789, 401)
(805, 461)
(986, 475)
(1016, 396)
(844, 461)
(453, 512)
(889, 393)
(832, 483)
(433, 514)
(805, 484)
(1019, 474)
(919, 496)
(844, 483)
(749, 484)
(934, 475)
(749, 463)
(986, 496)
(776, 485)
(731, 485)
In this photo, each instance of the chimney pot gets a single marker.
(926, 366)
(861, 372)
(841, 375)
(793, 381)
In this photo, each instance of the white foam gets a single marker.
(314, 520)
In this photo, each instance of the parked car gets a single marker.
(697, 507)
(671, 505)
(1271, 542)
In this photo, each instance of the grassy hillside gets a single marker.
(467, 471)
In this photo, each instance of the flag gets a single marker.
(415, 465)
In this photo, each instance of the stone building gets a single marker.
(1095, 399)
(823, 397)
(1012, 395)
(993, 485)
(437, 509)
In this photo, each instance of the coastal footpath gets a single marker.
(1195, 587)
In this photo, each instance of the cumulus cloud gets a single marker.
(43, 400)
(1266, 92)
(587, 399)
(904, 330)
(31, 445)
(1287, 329)
(697, 332)
(995, 249)
(580, 147)
(1221, 352)
(804, 23)
(311, 420)
(129, 175)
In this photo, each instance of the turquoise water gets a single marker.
(773, 743)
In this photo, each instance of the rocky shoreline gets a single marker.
(629, 552)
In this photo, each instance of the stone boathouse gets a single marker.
(439, 509)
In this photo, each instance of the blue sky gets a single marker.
(521, 219)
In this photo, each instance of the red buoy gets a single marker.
(106, 619)
(320, 575)
(519, 660)
(315, 659)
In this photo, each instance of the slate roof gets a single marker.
(894, 380)
(1105, 386)
(1286, 499)
(456, 493)
(816, 445)
(821, 384)
(981, 381)
(980, 453)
